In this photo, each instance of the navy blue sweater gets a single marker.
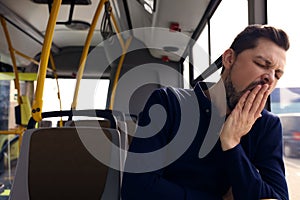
(254, 169)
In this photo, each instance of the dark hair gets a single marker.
(249, 37)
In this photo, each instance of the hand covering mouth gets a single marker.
(253, 85)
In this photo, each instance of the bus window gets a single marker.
(4, 103)
(215, 38)
(186, 73)
(225, 24)
(200, 53)
(95, 89)
(285, 100)
(98, 95)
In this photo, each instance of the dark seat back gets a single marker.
(63, 163)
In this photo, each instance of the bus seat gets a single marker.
(121, 124)
(88, 123)
(122, 128)
(131, 122)
(54, 163)
(45, 123)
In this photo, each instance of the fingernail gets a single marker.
(267, 85)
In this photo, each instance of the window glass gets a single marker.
(285, 99)
(50, 98)
(96, 98)
(4, 104)
(226, 23)
(148, 5)
(186, 71)
(200, 53)
(224, 26)
(92, 95)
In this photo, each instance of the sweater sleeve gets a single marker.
(264, 175)
(153, 184)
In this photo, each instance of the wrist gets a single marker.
(228, 143)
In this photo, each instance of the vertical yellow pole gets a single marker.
(85, 52)
(38, 101)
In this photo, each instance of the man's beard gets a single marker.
(232, 95)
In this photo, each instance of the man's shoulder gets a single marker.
(176, 92)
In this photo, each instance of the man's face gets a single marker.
(261, 65)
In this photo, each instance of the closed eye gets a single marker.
(262, 65)
(278, 72)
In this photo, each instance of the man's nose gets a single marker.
(269, 77)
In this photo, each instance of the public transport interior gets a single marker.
(71, 65)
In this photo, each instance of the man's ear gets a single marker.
(228, 58)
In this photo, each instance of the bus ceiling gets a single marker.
(165, 27)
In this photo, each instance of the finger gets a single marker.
(262, 104)
(259, 101)
(242, 101)
(250, 99)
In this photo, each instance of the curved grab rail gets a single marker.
(107, 114)
(85, 52)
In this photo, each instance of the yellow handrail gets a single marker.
(13, 59)
(38, 101)
(11, 49)
(118, 31)
(18, 131)
(85, 52)
(27, 57)
(120, 64)
(117, 75)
